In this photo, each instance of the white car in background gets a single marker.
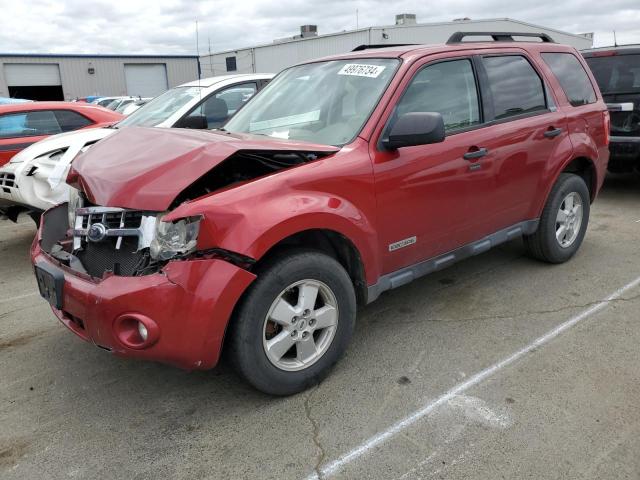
(132, 107)
(34, 179)
(104, 101)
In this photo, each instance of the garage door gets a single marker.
(146, 80)
(24, 74)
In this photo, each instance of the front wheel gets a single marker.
(563, 223)
(294, 323)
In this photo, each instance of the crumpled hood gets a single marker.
(147, 168)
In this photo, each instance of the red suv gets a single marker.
(345, 177)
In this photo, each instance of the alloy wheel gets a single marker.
(569, 220)
(300, 325)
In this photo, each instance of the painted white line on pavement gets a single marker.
(18, 297)
(335, 466)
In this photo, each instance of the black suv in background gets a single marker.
(617, 71)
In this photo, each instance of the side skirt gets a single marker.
(408, 274)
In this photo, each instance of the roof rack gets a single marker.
(498, 36)
(359, 48)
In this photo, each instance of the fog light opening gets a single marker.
(136, 331)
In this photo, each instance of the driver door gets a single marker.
(426, 194)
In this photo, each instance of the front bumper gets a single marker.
(190, 301)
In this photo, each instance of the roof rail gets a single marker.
(498, 36)
(359, 48)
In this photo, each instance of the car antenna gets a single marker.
(198, 53)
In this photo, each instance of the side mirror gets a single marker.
(415, 128)
(196, 122)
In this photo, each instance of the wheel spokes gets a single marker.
(577, 211)
(561, 217)
(326, 316)
(561, 233)
(280, 344)
(568, 203)
(283, 312)
(305, 349)
(307, 295)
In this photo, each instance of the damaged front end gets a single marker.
(99, 240)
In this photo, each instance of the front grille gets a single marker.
(113, 239)
(7, 181)
(101, 257)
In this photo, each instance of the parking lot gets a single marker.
(499, 367)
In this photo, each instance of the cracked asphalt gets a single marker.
(567, 408)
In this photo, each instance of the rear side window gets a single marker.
(29, 124)
(70, 121)
(448, 88)
(572, 77)
(515, 86)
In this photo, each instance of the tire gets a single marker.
(257, 340)
(549, 243)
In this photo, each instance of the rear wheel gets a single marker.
(563, 223)
(294, 323)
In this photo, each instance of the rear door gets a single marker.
(526, 137)
(18, 130)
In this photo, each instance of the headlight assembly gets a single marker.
(174, 238)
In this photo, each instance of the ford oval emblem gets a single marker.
(97, 232)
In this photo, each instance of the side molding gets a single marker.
(408, 274)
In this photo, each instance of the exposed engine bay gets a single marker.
(242, 167)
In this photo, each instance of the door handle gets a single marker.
(552, 132)
(475, 154)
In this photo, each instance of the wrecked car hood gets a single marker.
(147, 168)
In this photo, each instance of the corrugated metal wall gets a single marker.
(108, 78)
(275, 57)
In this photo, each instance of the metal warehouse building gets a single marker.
(65, 77)
(282, 53)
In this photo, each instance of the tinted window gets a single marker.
(448, 88)
(515, 86)
(29, 124)
(572, 77)
(220, 107)
(231, 64)
(69, 120)
(617, 73)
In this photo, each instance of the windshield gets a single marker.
(324, 102)
(161, 108)
(617, 73)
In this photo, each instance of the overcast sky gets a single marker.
(168, 26)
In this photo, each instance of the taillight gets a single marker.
(606, 120)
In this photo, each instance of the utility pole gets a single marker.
(357, 26)
(210, 57)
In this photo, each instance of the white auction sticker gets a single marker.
(360, 70)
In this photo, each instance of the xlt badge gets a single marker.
(402, 243)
